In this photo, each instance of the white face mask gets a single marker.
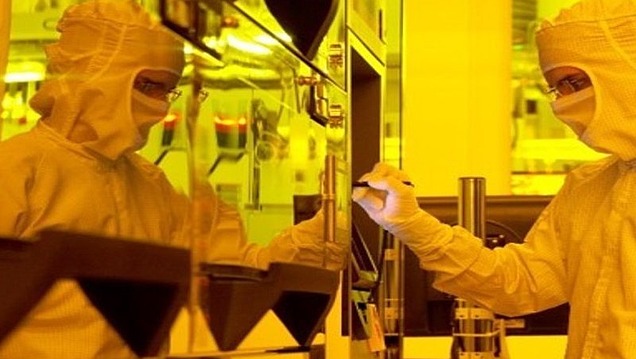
(576, 110)
(146, 112)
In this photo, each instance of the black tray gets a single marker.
(138, 287)
(237, 297)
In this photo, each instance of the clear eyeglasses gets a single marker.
(156, 90)
(568, 85)
(160, 91)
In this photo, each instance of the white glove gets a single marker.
(388, 201)
(393, 205)
(305, 243)
(217, 227)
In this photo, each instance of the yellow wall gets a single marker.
(457, 98)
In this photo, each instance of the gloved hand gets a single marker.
(216, 227)
(393, 205)
(387, 200)
(305, 243)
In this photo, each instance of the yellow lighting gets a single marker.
(213, 42)
(188, 49)
(26, 76)
(269, 41)
(241, 121)
(249, 47)
(24, 71)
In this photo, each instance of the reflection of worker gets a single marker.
(111, 76)
(582, 248)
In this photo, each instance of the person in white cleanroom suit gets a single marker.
(109, 76)
(582, 248)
